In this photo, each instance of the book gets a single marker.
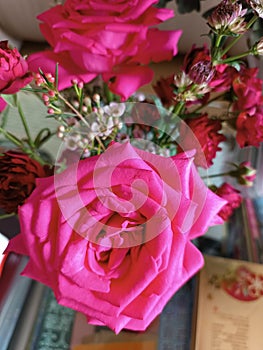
(28, 316)
(229, 305)
(89, 337)
(52, 326)
(14, 289)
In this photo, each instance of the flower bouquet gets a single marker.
(110, 222)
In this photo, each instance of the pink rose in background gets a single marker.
(116, 40)
(206, 140)
(14, 72)
(112, 234)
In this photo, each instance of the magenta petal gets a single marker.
(128, 80)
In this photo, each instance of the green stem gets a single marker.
(26, 128)
(199, 108)
(233, 42)
(237, 57)
(5, 216)
(11, 137)
(177, 109)
(78, 114)
(216, 175)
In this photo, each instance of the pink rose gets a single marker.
(117, 40)
(112, 234)
(14, 72)
(206, 140)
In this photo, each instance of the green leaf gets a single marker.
(4, 116)
(11, 100)
(42, 137)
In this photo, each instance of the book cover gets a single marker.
(14, 289)
(229, 305)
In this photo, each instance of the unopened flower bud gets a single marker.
(96, 98)
(257, 48)
(50, 77)
(84, 109)
(87, 101)
(244, 173)
(80, 85)
(61, 128)
(60, 135)
(50, 111)
(74, 82)
(45, 98)
(51, 93)
(257, 6)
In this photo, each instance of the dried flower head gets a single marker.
(257, 6)
(187, 90)
(228, 18)
(257, 48)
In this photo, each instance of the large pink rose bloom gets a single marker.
(112, 235)
(115, 39)
(14, 72)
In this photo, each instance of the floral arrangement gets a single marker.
(109, 223)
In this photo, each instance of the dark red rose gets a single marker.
(18, 173)
(14, 72)
(231, 195)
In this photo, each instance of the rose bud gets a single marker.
(14, 73)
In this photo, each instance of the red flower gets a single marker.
(164, 90)
(14, 72)
(197, 64)
(248, 90)
(232, 196)
(18, 173)
(203, 135)
(223, 78)
(250, 127)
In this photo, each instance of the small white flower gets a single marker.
(72, 142)
(115, 109)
